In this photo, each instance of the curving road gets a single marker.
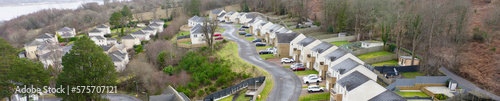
(287, 86)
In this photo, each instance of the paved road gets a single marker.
(287, 86)
(467, 84)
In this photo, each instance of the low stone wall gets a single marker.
(308, 30)
(346, 38)
(191, 45)
(183, 40)
(367, 50)
(418, 86)
(381, 59)
(259, 90)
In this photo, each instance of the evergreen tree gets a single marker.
(126, 13)
(195, 4)
(115, 19)
(86, 65)
(7, 53)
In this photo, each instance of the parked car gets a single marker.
(257, 40)
(223, 21)
(265, 52)
(242, 29)
(248, 35)
(287, 60)
(245, 27)
(315, 88)
(297, 68)
(229, 22)
(310, 76)
(217, 34)
(259, 44)
(312, 80)
(242, 32)
(219, 38)
(297, 65)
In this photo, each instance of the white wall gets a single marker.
(196, 38)
(293, 44)
(307, 50)
(364, 92)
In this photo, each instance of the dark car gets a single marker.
(260, 44)
(244, 27)
(257, 40)
(229, 22)
(265, 52)
(223, 21)
(242, 33)
(248, 35)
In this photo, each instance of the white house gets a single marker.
(158, 27)
(99, 40)
(112, 41)
(141, 35)
(294, 46)
(215, 13)
(104, 29)
(231, 16)
(195, 20)
(221, 17)
(31, 48)
(368, 44)
(150, 30)
(96, 32)
(158, 21)
(306, 46)
(66, 32)
(246, 18)
(129, 41)
(318, 60)
(120, 59)
(353, 87)
(197, 36)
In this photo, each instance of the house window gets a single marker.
(195, 36)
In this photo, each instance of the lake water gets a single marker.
(10, 12)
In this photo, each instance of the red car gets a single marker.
(298, 68)
(219, 38)
(217, 34)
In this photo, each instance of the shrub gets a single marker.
(143, 42)
(478, 34)
(223, 87)
(62, 39)
(392, 47)
(107, 35)
(212, 88)
(138, 49)
(200, 92)
(220, 81)
(193, 85)
(317, 23)
(330, 29)
(168, 70)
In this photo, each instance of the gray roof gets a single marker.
(387, 96)
(111, 39)
(98, 37)
(345, 65)
(103, 26)
(251, 21)
(322, 47)
(94, 31)
(66, 34)
(65, 29)
(35, 43)
(157, 20)
(199, 30)
(46, 55)
(197, 19)
(353, 80)
(250, 16)
(117, 56)
(44, 36)
(263, 23)
(128, 37)
(286, 37)
(306, 41)
(335, 54)
(139, 32)
(216, 11)
(419, 80)
(221, 15)
(154, 24)
(148, 28)
(197, 26)
(231, 13)
(162, 97)
(67, 48)
(107, 47)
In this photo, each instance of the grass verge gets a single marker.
(187, 42)
(324, 96)
(412, 94)
(305, 72)
(266, 56)
(411, 75)
(265, 47)
(387, 63)
(229, 98)
(250, 38)
(183, 33)
(373, 55)
(339, 43)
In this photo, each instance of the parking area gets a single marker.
(278, 62)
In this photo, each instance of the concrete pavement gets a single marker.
(287, 86)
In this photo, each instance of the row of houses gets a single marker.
(46, 48)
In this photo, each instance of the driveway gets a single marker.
(287, 86)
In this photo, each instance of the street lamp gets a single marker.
(147, 97)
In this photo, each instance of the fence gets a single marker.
(236, 88)
(381, 59)
(367, 50)
(183, 37)
(346, 38)
(191, 45)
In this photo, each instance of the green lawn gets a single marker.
(264, 47)
(247, 31)
(297, 29)
(229, 98)
(241, 35)
(339, 43)
(168, 23)
(411, 75)
(187, 42)
(373, 54)
(266, 56)
(388, 63)
(305, 72)
(412, 94)
(183, 33)
(286, 66)
(114, 30)
(250, 38)
(242, 97)
(238, 25)
(114, 36)
(289, 26)
(323, 96)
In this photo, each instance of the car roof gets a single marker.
(314, 86)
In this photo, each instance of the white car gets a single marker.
(315, 88)
(310, 76)
(287, 60)
(312, 80)
(271, 49)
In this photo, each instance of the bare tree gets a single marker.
(209, 27)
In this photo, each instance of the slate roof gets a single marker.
(95, 31)
(251, 21)
(117, 56)
(286, 37)
(106, 47)
(67, 48)
(353, 80)
(154, 24)
(231, 13)
(35, 43)
(334, 55)
(345, 66)
(44, 36)
(148, 29)
(110, 39)
(98, 37)
(128, 37)
(387, 96)
(221, 15)
(103, 26)
(65, 29)
(198, 31)
(157, 20)
(46, 55)
(419, 80)
(197, 19)
(216, 11)
(323, 46)
(197, 26)
(250, 16)
(306, 41)
(139, 32)
(66, 34)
